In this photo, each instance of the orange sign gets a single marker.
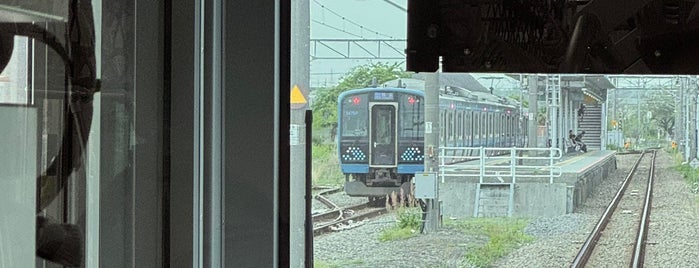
(297, 100)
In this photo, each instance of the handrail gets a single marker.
(501, 162)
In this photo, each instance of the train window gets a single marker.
(491, 120)
(469, 126)
(441, 127)
(384, 125)
(511, 126)
(503, 126)
(411, 118)
(476, 127)
(491, 127)
(459, 126)
(484, 127)
(450, 126)
(354, 116)
(508, 128)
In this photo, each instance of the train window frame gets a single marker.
(15, 59)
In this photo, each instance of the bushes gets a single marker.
(326, 167)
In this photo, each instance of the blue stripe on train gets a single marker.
(355, 168)
(364, 168)
(410, 168)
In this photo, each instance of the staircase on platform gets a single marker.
(591, 123)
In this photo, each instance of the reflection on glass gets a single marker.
(383, 127)
(17, 183)
(14, 79)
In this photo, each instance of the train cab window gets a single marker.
(354, 116)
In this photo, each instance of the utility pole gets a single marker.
(300, 72)
(533, 107)
(641, 126)
(432, 145)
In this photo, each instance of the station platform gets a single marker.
(579, 174)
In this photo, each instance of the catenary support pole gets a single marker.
(533, 110)
(300, 72)
(432, 145)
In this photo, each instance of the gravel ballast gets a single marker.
(674, 235)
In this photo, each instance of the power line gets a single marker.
(396, 5)
(336, 28)
(348, 20)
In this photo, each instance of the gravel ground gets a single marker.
(674, 236)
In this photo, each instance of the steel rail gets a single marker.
(326, 202)
(326, 228)
(589, 245)
(640, 248)
(339, 212)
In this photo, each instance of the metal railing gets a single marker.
(503, 165)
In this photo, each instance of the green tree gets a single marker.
(325, 103)
(662, 108)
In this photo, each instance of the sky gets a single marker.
(353, 19)
(370, 19)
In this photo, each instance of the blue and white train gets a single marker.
(381, 131)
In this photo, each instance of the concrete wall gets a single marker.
(459, 195)
(585, 182)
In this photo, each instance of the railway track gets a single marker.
(340, 218)
(619, 237)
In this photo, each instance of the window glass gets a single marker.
(412, 109)
(355, 116)
(73, 127)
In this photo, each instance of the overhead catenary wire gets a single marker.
(348, 20)
(335, 28)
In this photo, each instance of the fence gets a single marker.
(500, 164)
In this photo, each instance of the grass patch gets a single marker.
(326, 167)
(397, 233)
(690, 175)
(408, 221)
(504, 235)
(323, 264)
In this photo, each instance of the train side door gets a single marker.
(382, 135)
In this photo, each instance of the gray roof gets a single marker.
(463, 80)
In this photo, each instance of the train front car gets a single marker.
(380, 139)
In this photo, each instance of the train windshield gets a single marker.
(354, 116)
